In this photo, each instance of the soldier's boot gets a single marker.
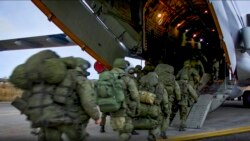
(182, 128)
(102, 129)
(163, 135)
(134, 132)
(151, 138)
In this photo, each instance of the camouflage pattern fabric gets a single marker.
(151, 84)
(121, 120)
(167, 78)
(187, 92)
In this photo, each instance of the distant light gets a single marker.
(213, 30)
(178, 25)
(159, 15)
(186, 30)
(194, 35)
(207, 43)
(201, 40)
(205, 11)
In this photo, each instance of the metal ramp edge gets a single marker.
(197, 114)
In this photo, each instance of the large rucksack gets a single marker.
(110, 92)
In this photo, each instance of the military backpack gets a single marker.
(110, 91)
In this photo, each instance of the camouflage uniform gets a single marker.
(79, 104)
(198, 66)
(215, 69)
(166, 76)
(150, 83)
(187, 92)
(193, 75)
(121, 120)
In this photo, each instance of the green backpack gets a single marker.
(110, 92)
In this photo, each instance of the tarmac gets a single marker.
(226, 122)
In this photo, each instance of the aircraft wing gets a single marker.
(46, 41)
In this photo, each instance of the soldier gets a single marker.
(166, 76)
(121, 120)
(215, 69)
(79, 106)
(150, 83)
(187, 92)
(193, 75)
(131, 72)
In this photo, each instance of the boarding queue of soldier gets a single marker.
(62, 99)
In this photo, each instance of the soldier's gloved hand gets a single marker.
(98, 121)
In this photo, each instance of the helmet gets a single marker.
(82, 63)
(131, 70)
(138, 67)
(187, 63)
(120, 63)
(184, 77)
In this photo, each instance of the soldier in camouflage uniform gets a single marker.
(151, 83)
(193, 75)
(78, 103)
(121, 120)
(166, 76)
(187, 92)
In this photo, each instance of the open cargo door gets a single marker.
(85, 28)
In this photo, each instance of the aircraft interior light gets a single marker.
(159, 15)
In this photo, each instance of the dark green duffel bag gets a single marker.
(145, 124)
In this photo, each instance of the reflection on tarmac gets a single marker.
(14, 127)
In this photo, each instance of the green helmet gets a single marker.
(184, 77)
(120, 63)
(82, 63)
(131, 70)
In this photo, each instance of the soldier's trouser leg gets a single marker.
(73, 132)
(124, 126)
(164, 127)
(103, 122)
(154, 133)
(84, 132)
(52, 134)
(183, 116)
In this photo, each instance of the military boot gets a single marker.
(163, 135)
(102, 129)
(151, 138)
(134, 132)
(182, 128)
